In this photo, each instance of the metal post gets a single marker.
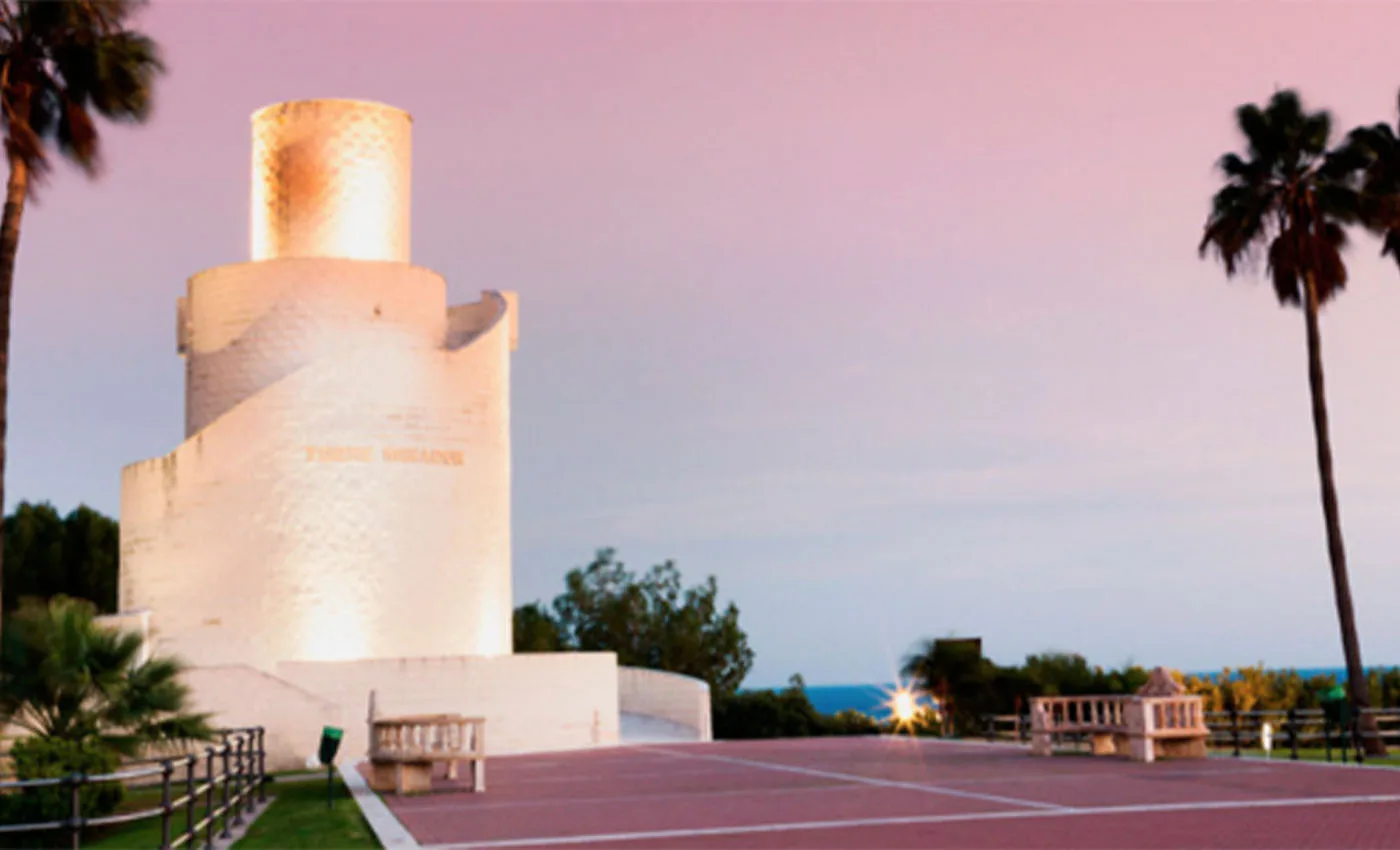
(209, 797)
(251, 774)
(1344, 739)
(1356, 736)
(262, 765)
(1327, 737)
(238, 784)
(166, 769)
(191, 765)
(225, 832)
(1293, 733)
(330, 786)
(1235, 729)
(75, 813)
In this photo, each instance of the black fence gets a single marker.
(203, 795)
(1341, 738)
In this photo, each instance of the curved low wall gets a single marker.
(670, 696)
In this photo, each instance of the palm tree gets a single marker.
(61, 63)
(1290, 196)
(1376, 152)
(67, 677)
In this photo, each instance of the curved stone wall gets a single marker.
(251, 324)
(682, 700)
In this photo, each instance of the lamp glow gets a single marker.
(904, 706)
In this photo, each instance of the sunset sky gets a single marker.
(888, 315)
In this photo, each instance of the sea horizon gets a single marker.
(871, 698)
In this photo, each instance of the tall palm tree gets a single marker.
(1290, 196)
(62, 62)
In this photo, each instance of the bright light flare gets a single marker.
(904, 706)
(903, 703)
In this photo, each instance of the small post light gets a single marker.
(330, 744)
(1266, 739)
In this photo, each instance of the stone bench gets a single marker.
(404, 750)
(1159, 721)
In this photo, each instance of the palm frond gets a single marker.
(1289, 197)
(66, 676)
(65, 62)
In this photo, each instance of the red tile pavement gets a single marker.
(881, 792)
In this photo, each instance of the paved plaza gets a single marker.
(899, 792)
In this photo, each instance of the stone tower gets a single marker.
(343, 491)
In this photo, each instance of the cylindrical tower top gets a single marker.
(331, 179)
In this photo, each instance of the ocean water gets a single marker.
(867, 699)
(872, 699)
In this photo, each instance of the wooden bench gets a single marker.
(403, 750)
(1159, 721)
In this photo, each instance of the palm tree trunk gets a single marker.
(1336, 553)
(17, 192)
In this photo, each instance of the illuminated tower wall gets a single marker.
(343, 491)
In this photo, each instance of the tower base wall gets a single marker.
(536, 702)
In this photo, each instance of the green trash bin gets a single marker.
(1336, 708)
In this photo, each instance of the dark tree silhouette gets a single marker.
(62, 63)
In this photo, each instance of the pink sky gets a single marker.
(889, 315)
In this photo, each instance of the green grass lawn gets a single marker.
(142, 833)
(1310, 754)
(1304, 754)
(296, 817)
(299, 818)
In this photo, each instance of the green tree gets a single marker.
(65, 677)
(653, 621)
(46, 555)
(535, 630)
(1062, 674)
(62, 63)
(1290, 196)
(956, 674)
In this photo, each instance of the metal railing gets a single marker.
(1007, 727)
(233, 784)
(1244, 730)
(1238, 731)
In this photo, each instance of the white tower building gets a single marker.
(343, 491)
(337, 521)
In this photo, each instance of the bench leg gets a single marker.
(398, 778)
(452, 770)
(1144, 749)
(478, 775)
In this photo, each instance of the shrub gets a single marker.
(38, 757)
(850, 722)
(764, 714)
(788, 713)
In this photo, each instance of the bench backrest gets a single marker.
(439, 735)
(1128, 714)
